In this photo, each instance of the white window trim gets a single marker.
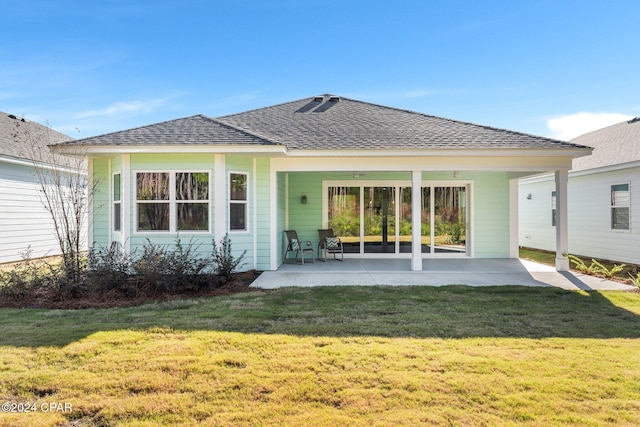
(172, 202)
(113, 204)
(611, 207)
(247, 228)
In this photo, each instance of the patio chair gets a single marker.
(295, 245)
(329, 244)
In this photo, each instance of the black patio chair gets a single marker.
(295, 245)
(329, 244)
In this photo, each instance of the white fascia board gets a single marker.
(602, 169)
(29, 163)
(493, 152)
(161, 149)
(363, 164)
(593, 171)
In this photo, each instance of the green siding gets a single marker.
(263, 212)
(305, 219)
(101, 202)
(491, 215)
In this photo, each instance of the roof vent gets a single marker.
(11, 116)
(635, 119)
(318, 98)
(334, 98)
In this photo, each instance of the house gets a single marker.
(391, 183)
(604, 198)
(24, 222)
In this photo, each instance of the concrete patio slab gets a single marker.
(436, 272)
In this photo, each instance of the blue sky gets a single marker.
(542, 67)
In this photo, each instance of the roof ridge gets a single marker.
(239, 129)
(268, 106)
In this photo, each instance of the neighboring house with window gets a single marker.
(604, 199)
(391, 183)
(24, 222)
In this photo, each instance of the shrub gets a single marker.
(581, 266)
(635, 280)
(596, 267)
(609, 273)
(184, 261)
(223, 260)
(30, 276)
(108, 268)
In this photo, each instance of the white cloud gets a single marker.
(120, 108)
(571, 126)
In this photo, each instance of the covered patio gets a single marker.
(435, 272)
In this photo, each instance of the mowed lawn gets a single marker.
(330, 356)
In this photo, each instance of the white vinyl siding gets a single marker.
(590, 232)
(25, 222)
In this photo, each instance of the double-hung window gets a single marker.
(192, 201)
(172, 201)
(620, 202)
(238, 202)
(117, 210)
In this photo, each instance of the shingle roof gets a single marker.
(612, 145)
(16, 132)
(198, 129)
(332, 122)
(328, 122)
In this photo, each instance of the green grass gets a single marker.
(333, 356)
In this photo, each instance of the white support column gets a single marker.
(273, 217)
(126, 197)
(416, 226)
(220, 196)
(514, 247)
(562, 221)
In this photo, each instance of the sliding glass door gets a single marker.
(444, 219)
(376, 219)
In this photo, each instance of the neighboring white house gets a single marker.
(24, 222)
(604, 198)
(391, 183)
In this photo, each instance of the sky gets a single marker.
(555, 68)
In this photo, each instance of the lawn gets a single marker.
(327, 356)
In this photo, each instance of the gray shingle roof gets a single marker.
(328, 123)
(612, 145)
(334, 123)
(16, 132)
(198, 129)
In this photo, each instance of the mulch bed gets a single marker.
(239, 282)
